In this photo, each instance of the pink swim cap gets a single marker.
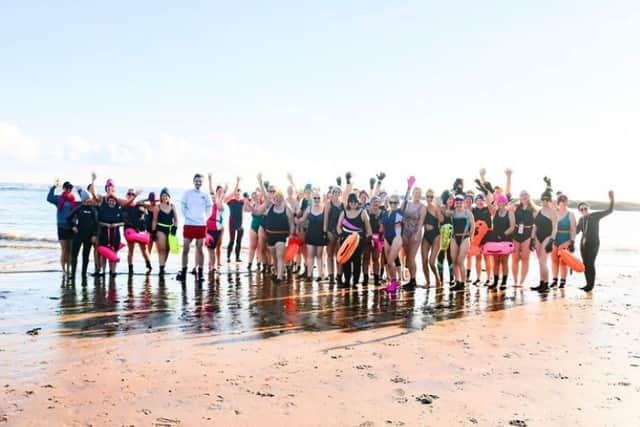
(501, 198)
(108, 184)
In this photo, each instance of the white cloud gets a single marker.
(16, 145)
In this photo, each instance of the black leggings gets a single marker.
(85, 242)
(589, 252)
(235, 234)
(353, 266)
(440, 263)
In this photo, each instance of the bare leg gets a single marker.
(185, 252)
(424, 252)
(525, 253)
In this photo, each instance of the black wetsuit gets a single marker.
(353, 266)
(315, 235)
(235, 227)
(276, 225)
(524, 223)
(590, 242)
(447, 253)
(109, 236)
(430, 235)
(85, 219)
(483, 214)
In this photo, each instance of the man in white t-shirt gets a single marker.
(196, 207)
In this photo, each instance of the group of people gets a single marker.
(392, 231)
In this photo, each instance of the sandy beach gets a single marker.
(426, 358)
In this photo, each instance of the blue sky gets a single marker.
(149, 92)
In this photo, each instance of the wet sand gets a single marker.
(240, 351)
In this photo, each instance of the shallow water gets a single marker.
(233, 303)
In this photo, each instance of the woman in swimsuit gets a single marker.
(463, 228)
(353, 220)
(110, 220)
(134, 215)
(392, 225)
(332, 212)
(447, 207)
(256, 221)
(431, 238)
(413, 214)
(503, 227)
(371, 253)
(215, 226)
(545, 227)
(164, 222)
(314, 238)
(565, 238)
(482, 212)
(278, 225)
(525, 213)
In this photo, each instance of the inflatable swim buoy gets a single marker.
(109, 253)
(347, 248)
(497, 248)
(481, 230)
(445, 236)
(571, 261)
(378, 242)
(174, 246)
(293, 247)
(132, 235)
(474, 251)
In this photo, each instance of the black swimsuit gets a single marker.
(277, 226)
(544, 227)
(430, 235)
(483, 215)
(315, 235)
(524, 219)
(500, 226)
(165, 220)
(109, 236)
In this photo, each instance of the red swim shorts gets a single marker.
(194, 231)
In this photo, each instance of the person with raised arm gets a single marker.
(110, 219)
(236, 204)
(164, 223)
(589, 226)
(279, 225)
(65, 203)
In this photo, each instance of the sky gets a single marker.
(150, 92)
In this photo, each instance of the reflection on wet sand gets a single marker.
(240, 302)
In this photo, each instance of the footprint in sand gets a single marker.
(399, 380)
(399, 396)
(427, 399)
